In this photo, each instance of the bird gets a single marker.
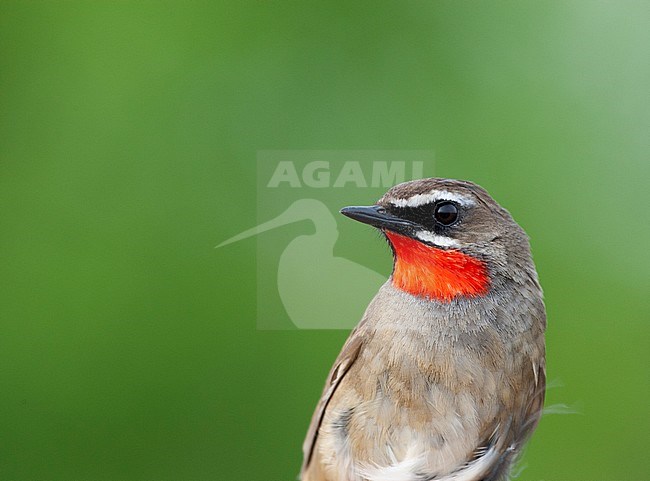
(443, 379)
(306, 293)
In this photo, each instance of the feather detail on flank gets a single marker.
(425, 271)
(405, 470)
(411, 469)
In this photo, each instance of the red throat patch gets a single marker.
(425, 271)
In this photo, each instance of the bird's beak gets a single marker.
(378, 216)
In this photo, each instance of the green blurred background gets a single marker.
(128, 137)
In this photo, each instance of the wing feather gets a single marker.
(345, 360)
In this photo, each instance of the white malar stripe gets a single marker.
(438, 240)
(411, 468)
(435, 195)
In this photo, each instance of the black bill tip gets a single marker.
(377, 216)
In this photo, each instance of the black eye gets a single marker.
(446, 213)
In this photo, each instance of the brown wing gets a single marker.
(515, 432)
(346, 358)
(536, 403)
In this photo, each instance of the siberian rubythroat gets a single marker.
(443, 378)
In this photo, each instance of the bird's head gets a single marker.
(449, 238)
